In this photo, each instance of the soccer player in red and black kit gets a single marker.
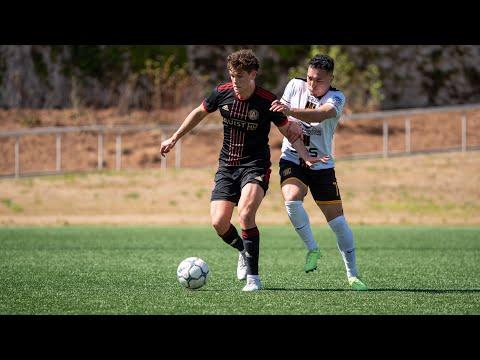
(244, 164)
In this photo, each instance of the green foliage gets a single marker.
(40, 65)
(168, 78)
(362, 87)
(139, 55)
(6, 201)
(30, 120)
(106, 62)
(12, 205)
(3, 67)
(132, 195)
(289, 54)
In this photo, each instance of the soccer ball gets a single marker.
(192, 273)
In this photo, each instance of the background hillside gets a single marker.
(153, 77)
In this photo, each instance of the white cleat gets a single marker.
(241, 266)
(253, 285)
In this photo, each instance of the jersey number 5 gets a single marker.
(312, 151)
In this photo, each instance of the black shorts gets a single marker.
(322, 183)
(229, 181)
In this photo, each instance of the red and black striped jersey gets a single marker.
(246, 124)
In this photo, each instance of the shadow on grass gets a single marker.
(432, 291)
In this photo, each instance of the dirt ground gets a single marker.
(434, 189)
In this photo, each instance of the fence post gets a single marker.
(408, 143)
(385, 138)
(178, 153)
(118, 152)
(464, 132)
(17, 156)
(58, 152)
(100, 151)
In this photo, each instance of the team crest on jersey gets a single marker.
(287, 171)
(253, 114)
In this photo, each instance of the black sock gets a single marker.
(251, 241)
(232, 238)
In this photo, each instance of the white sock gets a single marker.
(299, 218)
(253, 277)
(345, 244)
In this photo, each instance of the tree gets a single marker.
(362, 87)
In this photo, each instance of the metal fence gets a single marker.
(118, 131)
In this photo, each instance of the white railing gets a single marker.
(101, 130)
(385, 116)
(119, 130)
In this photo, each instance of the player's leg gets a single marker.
(345, 242)
(327, 197)
(294, 191)
(221, 212)
(225, 196)
(250, 199)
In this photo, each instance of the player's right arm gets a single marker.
(192, 120)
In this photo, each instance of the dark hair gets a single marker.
(243, 59)
(322, 62)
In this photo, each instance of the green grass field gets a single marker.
(132, 270)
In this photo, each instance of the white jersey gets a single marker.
(317, 136)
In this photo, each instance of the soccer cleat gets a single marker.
(253, 285)
(241, 266)
(357, 284)
(312, 258)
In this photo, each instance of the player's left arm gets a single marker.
(323, 112)
(299, 146)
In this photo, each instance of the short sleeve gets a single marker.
(288, 92)
(337, 99)
(210, 103)
(278, 118)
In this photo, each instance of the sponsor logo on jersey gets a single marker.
(225, 107)
(312, 131)
(253, 114)
(240, 124)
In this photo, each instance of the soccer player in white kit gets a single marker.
(317, 107)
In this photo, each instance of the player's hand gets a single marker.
(294, 131)
(278, 106)
(310, 161)
(167, 145)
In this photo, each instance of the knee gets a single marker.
(333, 214)
(220, 225)
(289, 195)
(246, 218)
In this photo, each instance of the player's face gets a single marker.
(318, 81)
(242, 81)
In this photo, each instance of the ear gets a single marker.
(253, 74)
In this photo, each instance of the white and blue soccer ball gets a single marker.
(192, 273)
